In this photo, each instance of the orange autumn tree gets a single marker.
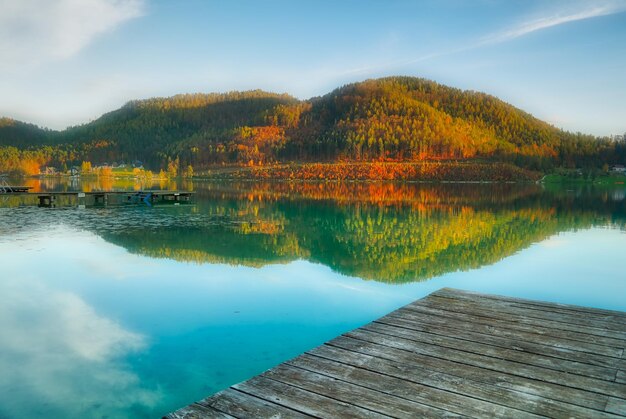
(30, 167)
(258, 145)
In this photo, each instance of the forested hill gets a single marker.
(20, 134)
(396, 118)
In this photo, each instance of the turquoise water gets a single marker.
(134, 311)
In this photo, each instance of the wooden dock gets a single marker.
(452, 354)
(8, 189)
(48, 199)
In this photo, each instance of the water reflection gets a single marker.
(98, 183)
(384, 232)
(89, 330)
(133, 311)
(55, 347)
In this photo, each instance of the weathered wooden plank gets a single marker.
(544, 327)
(380, 382)
(531, 311)
(556, 364)
(502, 331)
(571, 317)
(240, 404)
(616, 406)
(521, 326)
(522, 384)
(354, 394)
(513, 341)
(598, 312)
(516, 315)
(195, 411)
(301, 400)
(496, 364)
(620, 377)
(400, 379)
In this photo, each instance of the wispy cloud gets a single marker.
(38, 30)
(534, 25)
(516, 30)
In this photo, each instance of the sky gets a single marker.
(66, 62)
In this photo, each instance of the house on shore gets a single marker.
(619, 168)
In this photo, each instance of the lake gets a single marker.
(137, 310)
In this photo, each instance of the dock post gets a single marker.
(100, 198)
(46, 201)
(80, 200)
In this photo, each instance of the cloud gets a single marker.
(545, 22)
(33, 31)
(515, 31)
(56, 349)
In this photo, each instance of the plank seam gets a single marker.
(572, 342)
(203, 408)
(473, 353)
(599, 318)
(571, 322)
(480, 382)
(511, 348)
(537, 340)
(277, 379)
(410, 381)
(275, 403)
(545, 304)
(492, 356)
(425, 310)
(493, 316)
(495, 370)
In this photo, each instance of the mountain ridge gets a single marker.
(388, 119)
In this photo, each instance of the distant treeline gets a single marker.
(400, 119)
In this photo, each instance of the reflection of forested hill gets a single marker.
(421, 233)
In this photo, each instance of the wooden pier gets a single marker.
(452, 354)
(48, 199)
(8, 189)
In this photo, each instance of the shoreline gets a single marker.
(449, 172)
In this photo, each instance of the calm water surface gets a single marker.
(134, 311)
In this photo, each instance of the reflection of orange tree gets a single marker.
(163, 182)
(388, 171)
(106, 183)
(35, 184)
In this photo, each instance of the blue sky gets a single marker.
(65, 62)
